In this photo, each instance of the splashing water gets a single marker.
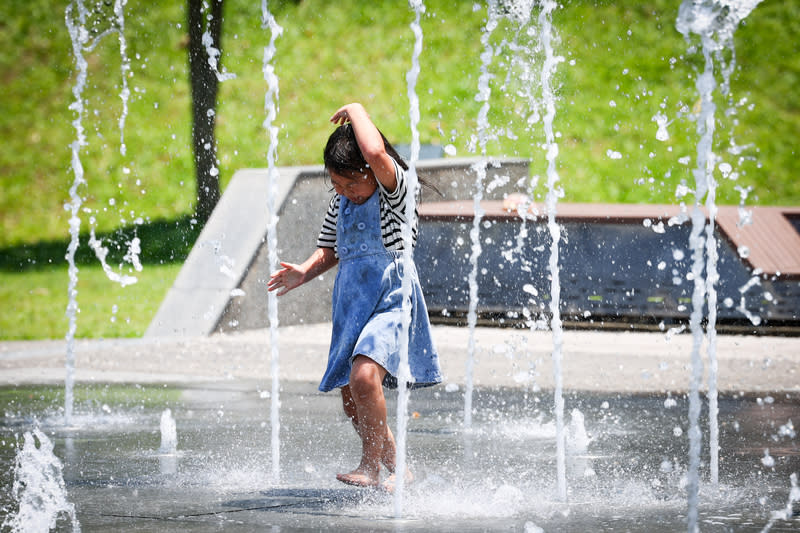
(125, 92)
(101, 252)
(520, 13)
(79, 36)
(75, 17)
(709, 17)
(404, 372)
(577, 442)
(715, 23)
(788, 511)
(39, 488)
(125, 64)
(168, 451)
(484, 92)
(169, 433)
(214, 52)
(554, 192)
(271, 107)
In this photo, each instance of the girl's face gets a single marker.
(355, 186)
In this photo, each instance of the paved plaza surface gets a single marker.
(610, 361)
(625, 416)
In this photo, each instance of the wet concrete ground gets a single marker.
(499, 475)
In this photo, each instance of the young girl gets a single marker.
(362, 232)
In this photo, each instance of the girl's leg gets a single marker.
(389, 448)
(368, 404)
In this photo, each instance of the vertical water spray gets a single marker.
(75, 18)
(727, 67)
(168, 451)
(125, 93)
(715, 22)
(100, 251)
(554, 192)
(271, 107)
(705, 164)
(169, 433)
(712, 277)
(484, 93)
(523, 70)
(404, 371)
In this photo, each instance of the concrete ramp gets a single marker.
(221, 255)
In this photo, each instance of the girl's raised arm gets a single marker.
(370, 142)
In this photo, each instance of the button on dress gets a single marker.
(367, 304)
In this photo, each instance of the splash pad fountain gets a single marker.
(624, 460)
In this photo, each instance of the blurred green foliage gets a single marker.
(623, 63)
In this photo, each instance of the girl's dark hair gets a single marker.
(343, 156)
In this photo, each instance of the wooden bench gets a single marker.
(771, 238)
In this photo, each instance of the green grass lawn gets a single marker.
(624, 62)
(38, 302)
(37, 398)
(34, 285)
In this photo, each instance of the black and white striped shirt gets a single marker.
(393, 205)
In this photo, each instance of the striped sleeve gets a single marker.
(393, 212)
(327, 234)
(397, 197)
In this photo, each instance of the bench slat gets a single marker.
(772, 241)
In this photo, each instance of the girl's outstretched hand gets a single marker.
(286, 279)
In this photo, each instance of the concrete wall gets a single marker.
(222, 285)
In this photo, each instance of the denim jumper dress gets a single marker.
(367, 304)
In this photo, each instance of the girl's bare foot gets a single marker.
(360, 477)
(389, 483)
